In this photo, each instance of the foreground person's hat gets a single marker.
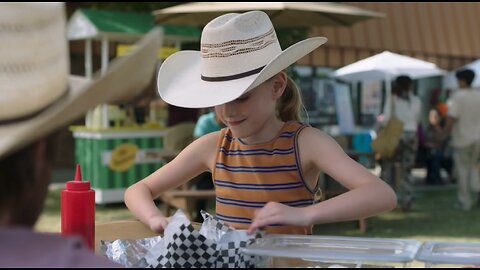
(238, 52)
(36, 94)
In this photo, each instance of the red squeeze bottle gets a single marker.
(77, 203)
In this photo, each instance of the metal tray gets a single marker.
(449, 253)
(335, 248)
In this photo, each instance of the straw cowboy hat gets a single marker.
(237, 53)
(36, 94)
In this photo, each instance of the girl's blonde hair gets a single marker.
(290, 103)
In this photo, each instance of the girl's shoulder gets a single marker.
(311, 135)
(314, 145)
(210, 138)
(316, 141)
(203, 147)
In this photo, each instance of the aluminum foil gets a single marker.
(129, 252)
(215, 245)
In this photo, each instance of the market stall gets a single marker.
(113, 148)
(385, 67)
(115, 159)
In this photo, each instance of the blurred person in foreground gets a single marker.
(37, 97)
(407, 108)
(463, 122)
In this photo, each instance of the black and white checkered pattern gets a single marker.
(230, 256)
(189, 248)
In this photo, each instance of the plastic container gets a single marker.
(329, 251)
(449, 254)
(77, 209)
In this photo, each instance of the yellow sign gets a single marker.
(123, 157)
(162, 53)
(165, 52)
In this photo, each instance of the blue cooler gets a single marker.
(361, 142)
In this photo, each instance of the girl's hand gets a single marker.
(277, 213)
(158, 223)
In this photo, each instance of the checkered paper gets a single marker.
(215, 245)
(231, 256)
(230, 243)
(188, 249)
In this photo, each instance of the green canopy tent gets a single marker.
(117, 26)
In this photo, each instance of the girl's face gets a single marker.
(252, 116)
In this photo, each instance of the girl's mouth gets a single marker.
(235, 123)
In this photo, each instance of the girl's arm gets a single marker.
(196, 158)
(368, 195)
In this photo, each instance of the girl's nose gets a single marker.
(229, 109)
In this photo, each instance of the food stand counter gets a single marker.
(113, 159)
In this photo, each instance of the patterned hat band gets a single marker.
(226, 53)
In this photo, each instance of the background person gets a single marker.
(408, 109)
(435, 144)
(36, 99)
(207, 123)
(265, 163)
(463, 122)
(447, 159)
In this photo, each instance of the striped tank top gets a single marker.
(246, 177)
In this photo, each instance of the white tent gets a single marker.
(450, 81)
(387, 66)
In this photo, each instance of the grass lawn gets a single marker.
(432, 218)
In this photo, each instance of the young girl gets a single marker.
(265, 164)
